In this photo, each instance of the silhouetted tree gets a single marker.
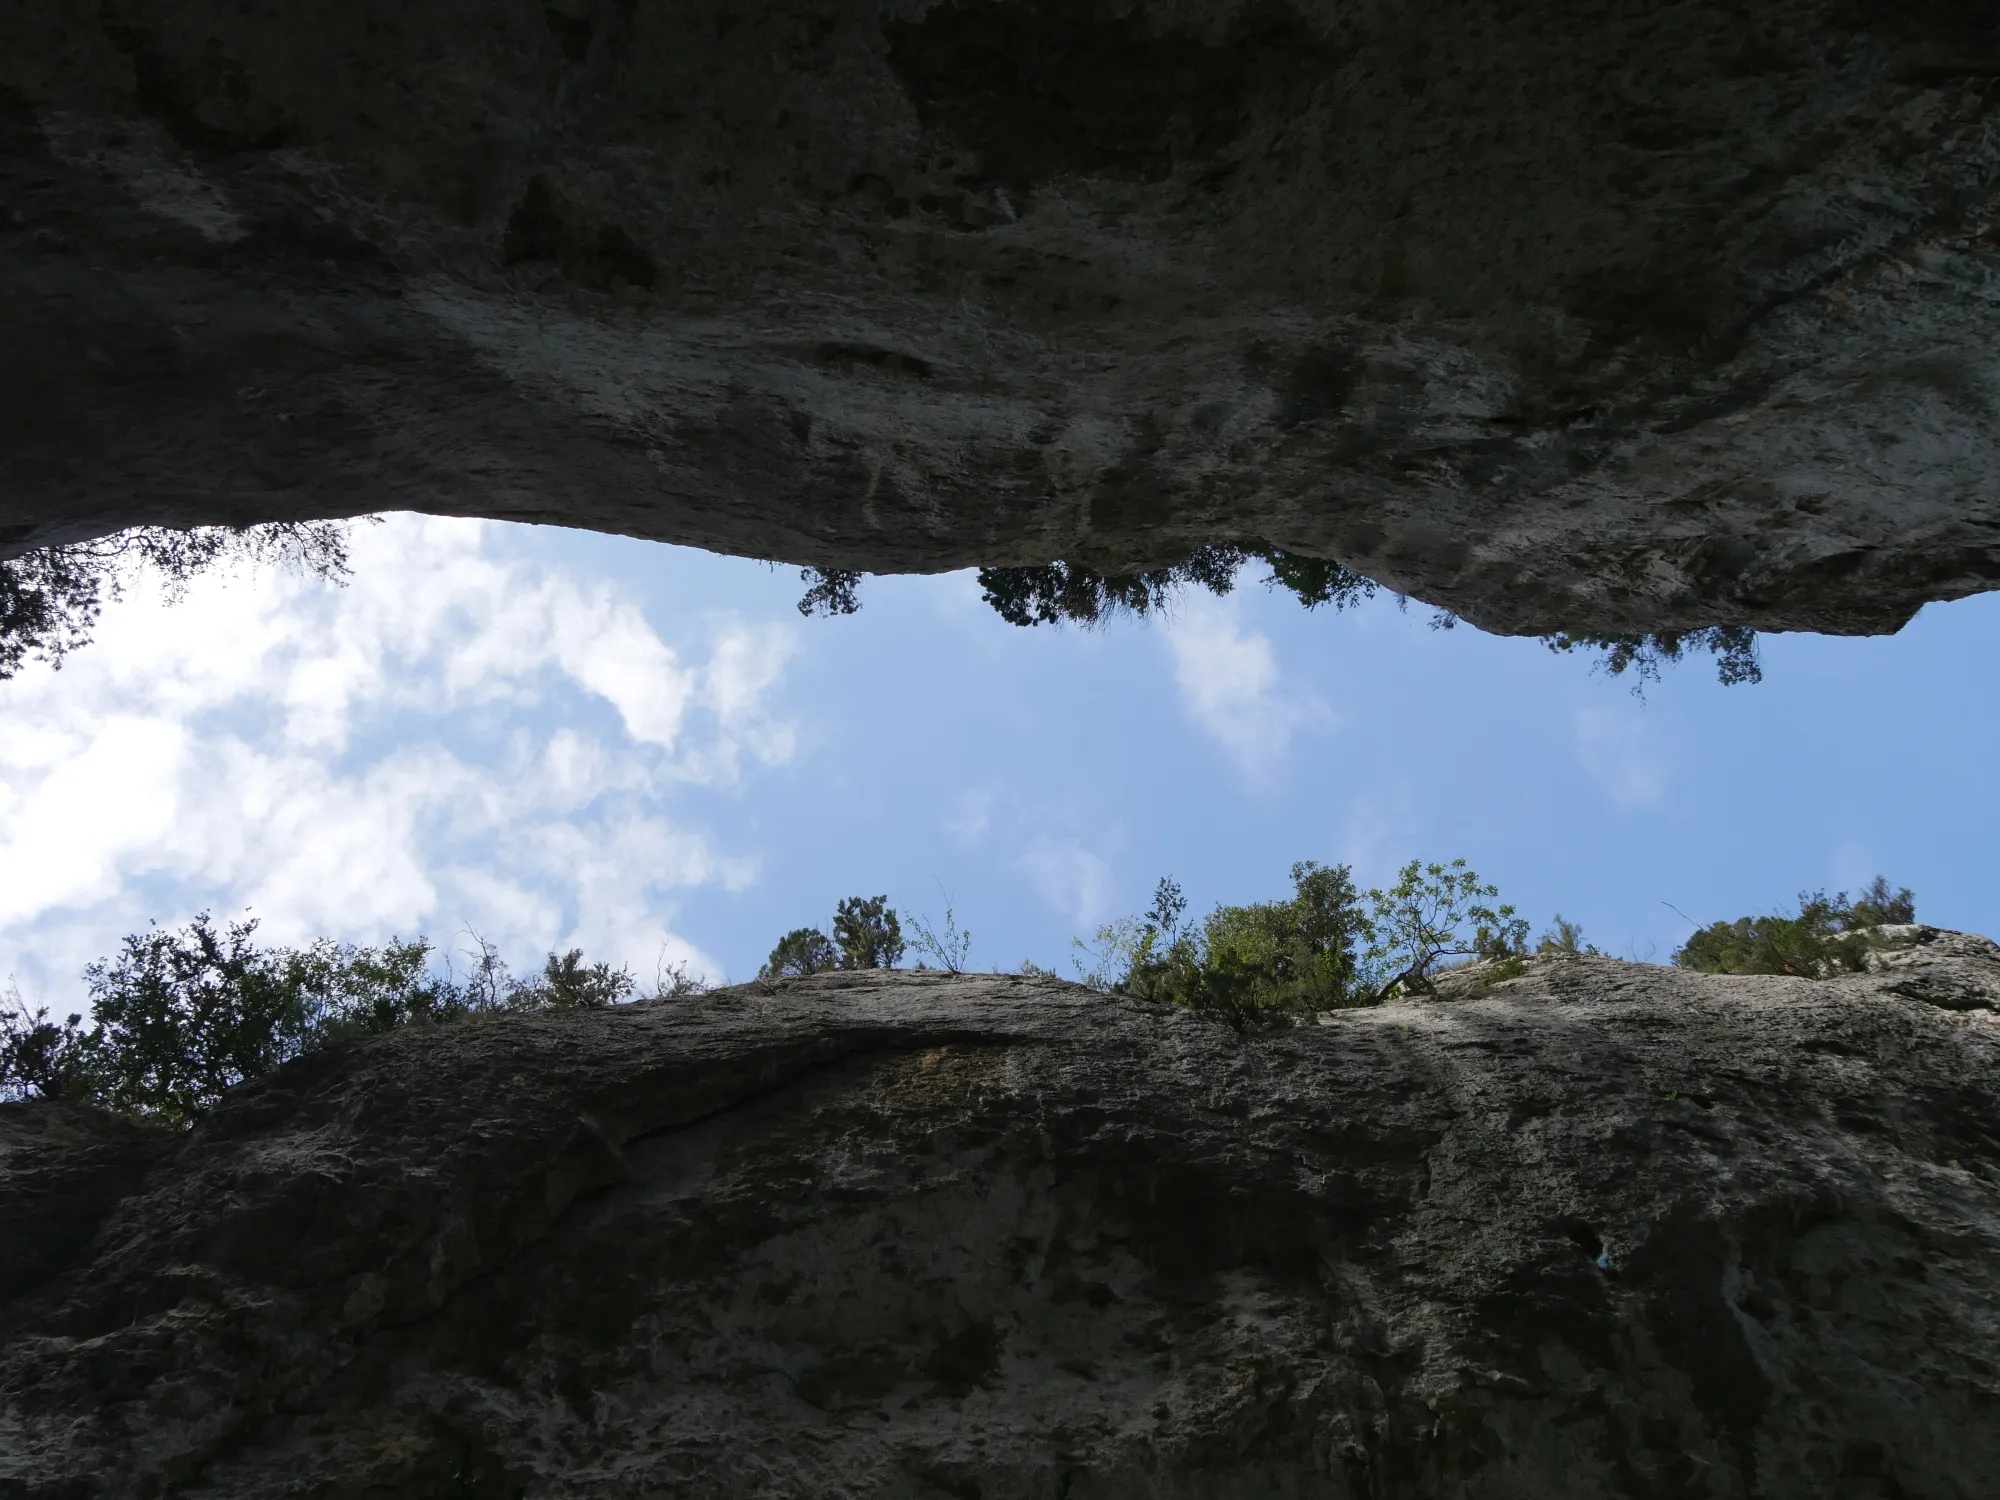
(831, 591)
(1069, 592)
(51, 597)
(1733, 646)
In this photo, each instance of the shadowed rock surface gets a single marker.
(1559, 315)
(1598, 1230)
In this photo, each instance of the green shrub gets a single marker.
(180, 1017)
(1828, 935)
(1244, 964)
(568, 983)
(38, 1057)
(867, 934)
(1320, 950)
(946, 942)
(803, 950)
(1564, 939)
(830, 591)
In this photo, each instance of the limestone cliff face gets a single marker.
(1557, 314)
(1598, 1230)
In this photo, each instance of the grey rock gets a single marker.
(1948, 969)
(1594, 1229)
(1559, 315)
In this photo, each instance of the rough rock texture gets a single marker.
(1597, 1230)
(1559, 314)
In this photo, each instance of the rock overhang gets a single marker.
(1556, 319)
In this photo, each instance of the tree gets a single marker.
(1244, 964)
(1423, 919)
(38, 1057)
(51, 597)
(568, 983)
(829, 592)
(180, 1017)
(344, 988)
(1876, 906)
(1828, 935)
(802, 951)
(1075, 593)
(867, 933)
(1734, 648)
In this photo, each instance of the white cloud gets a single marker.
(1620, 755)
(1229, 684)
(1070, 877)
(367, 760)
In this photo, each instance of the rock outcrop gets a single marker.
(1595, 1230)
(1559, 315)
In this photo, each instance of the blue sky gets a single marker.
(554, 737)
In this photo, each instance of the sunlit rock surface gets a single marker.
(1560, 315)
(1596, 1230)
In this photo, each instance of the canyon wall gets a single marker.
(1596, 1230)
(1557, 315)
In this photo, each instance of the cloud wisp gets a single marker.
(1230, 687)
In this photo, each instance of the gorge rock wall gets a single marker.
(1598, 1230)
(1559, 315)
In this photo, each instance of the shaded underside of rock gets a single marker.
(1595, 1230)
(1557, 315)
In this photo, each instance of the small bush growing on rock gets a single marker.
(1076, 593)
(867, 934)
(1564, 939)
(802, 951)
(1325, 948)
(946, 942)
(1828, 935)
(568, 983)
